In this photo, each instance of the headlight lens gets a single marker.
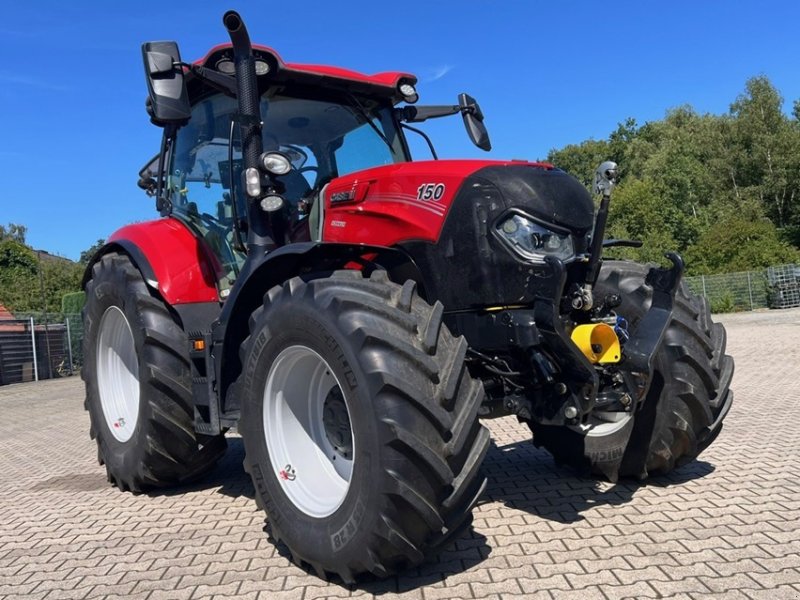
(533, 241)
(276, 163)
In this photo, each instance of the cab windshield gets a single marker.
(323, 136)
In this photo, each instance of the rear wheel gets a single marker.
(359, 423)
(689, 391)
(138, 383)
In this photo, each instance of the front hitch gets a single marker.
(579, 375)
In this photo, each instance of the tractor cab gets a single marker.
(315, 134)
(317, 123)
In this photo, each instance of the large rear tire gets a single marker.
(359, 423)
(683, 411)
(138, 383)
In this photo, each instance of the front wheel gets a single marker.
(138, 383)
(360, 424)
(683, 411)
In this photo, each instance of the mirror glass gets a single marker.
(168, 99)
(473, 121)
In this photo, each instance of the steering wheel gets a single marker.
(210, 220)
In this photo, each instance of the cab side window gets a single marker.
(199, 183)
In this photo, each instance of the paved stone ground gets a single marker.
(726, 526)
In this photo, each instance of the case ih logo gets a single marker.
(343, 196)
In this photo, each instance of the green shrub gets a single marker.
(723, 304)
(72, 303)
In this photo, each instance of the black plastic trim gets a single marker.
(137, 256)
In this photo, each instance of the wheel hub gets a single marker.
(337, 423)
(308, 431)
(117, 374)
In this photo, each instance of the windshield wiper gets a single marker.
(362, 111)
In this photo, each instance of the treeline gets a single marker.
(724, 190)
(32, 281)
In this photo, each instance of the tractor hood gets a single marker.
(409, 196)
(446, 216)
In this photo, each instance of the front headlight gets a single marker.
(533, 241)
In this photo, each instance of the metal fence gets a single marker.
(35, 347)
(774, 287)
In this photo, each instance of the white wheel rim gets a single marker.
(313, 473)
(603, 423)
(118, 374)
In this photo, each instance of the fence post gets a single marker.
(69, 343)
(33, 347)
(703, 279)
(750, 290)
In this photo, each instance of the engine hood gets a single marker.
(460, 169)
(551, 195)
(540, 189)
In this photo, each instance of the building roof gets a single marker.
(5, 315)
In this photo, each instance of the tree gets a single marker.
(59, 277)
(14, 232)
(87, 254)
(770, 163)
(724, 190)
(581, 160)
(637, 212)
(740, 243)
(23, 272)
(18, 274)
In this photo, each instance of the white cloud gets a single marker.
(36, 82)
(437, 73)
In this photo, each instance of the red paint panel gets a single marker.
(179, 261)
(386, 205)
(388, 79)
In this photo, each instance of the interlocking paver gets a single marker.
(726, 526)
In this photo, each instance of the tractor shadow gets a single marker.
(525, 478)
(520, 477)
(227, 477)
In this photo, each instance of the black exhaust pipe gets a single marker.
(258, 236)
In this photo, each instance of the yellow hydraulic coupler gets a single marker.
(598, 342)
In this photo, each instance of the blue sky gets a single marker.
(546, 74)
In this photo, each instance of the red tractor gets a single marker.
(353, 313)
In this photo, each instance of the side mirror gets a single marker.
(147, 176)
(168, 102)
(473, 121)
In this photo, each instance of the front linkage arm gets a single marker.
(645, 343)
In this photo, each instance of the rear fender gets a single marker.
(172, 260)
(307, 258)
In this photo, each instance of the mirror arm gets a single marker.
(221, 82)
(162, 203)
(418, 114)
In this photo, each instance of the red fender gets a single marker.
(177, 258)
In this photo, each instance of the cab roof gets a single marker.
(384, 84)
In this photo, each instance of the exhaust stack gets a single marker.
(258, 235)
